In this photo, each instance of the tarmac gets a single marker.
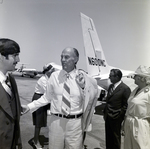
(95, 139)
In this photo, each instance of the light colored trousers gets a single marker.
(65, 133)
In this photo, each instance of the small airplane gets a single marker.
(97, 65)
(27, 71)
(33, 72)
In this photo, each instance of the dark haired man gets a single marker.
(10, 108)
(114, 112)
(72, 94)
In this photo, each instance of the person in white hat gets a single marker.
(40, 115)
(137, 122)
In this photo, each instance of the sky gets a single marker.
(43, 28)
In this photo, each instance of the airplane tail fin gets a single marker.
(95, 58)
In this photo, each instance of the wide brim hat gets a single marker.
(50, 66)
(143, 71)
(47, 67)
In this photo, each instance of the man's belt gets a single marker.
(69, 116)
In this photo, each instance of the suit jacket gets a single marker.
(116, 103)
(91, 95)
(7, 121)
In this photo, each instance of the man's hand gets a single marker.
(25, 109)
(80, 79)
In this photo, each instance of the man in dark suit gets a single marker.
(114, 112)
(10, 108)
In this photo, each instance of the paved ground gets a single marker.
(94, 139)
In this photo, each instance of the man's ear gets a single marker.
(76, 59)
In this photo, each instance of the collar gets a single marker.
(2, 77)
(116, 84)
(71, 74)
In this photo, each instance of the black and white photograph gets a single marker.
(74, 74)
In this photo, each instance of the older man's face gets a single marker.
(68, 59)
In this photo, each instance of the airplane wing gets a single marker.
(97, 65)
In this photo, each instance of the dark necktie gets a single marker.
(8, 82)
(111, 90)
(66, 98)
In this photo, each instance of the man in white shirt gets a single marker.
(66, 131)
